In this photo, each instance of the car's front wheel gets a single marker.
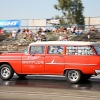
(6, 72)
(73, 76)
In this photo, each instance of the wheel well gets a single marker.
(70, 69)
(5, 63)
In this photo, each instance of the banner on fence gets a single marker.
(10, 23)
(53, 21)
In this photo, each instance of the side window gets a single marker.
(55, 49)
(37, 49)
(79, 50)
(97, 48)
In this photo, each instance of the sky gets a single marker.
(41, 9)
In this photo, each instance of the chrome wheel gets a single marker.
(73, 76)
(5, 72)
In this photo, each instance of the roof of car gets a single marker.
(62, 43)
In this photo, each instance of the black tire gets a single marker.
(6, 72)
(86, 77)
(73, 76)
(21, 75)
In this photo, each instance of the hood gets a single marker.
(11, 54)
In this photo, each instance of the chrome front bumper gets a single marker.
(97, 72)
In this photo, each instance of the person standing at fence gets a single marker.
(54, 30)
(65, 38)
(80, 31)
(30, 35)
(61, 38)
(27, 32)
(18, 30)
(44, 29)
(14, 34)
(88, 33)
(93, 30)
(43, 38)
(43, 33)
(77, 31)
(24, 33)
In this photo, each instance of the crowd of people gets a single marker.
(40, 35)
(75, 30)
(28, 34)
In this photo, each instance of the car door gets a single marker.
(33, 63)
(54, 59)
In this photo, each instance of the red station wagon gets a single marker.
(75, 60)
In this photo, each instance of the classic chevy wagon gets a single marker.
(75, 60)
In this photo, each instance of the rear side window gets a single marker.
(37, 49)
(55, 49)
(97, 48)
(79, 50)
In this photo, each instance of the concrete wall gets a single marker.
(93, 21)
(37, 22)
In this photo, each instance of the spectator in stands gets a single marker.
(68, 29)
(77, 31)
(93, 29)
(59, 30)
(30, 35)
(24, 33)
(39, 38)
(14, 34)
(43, 38)
(80, 31)
(40, 30)
(49, 30)
(72, 29)
(36, 37)
(43, 33)
(61, 38)
(88, 33)
(65, 30)
(65, 38)
(44, 29)
(18, 30)
(27, 32)
(54, 30)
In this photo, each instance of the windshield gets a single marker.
(26, 50)
(97, 48)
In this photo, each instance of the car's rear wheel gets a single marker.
(6, 72)
(73, 76)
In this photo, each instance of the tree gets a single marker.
(72, 10)
(77, 12)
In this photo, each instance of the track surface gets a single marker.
(49, 88)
